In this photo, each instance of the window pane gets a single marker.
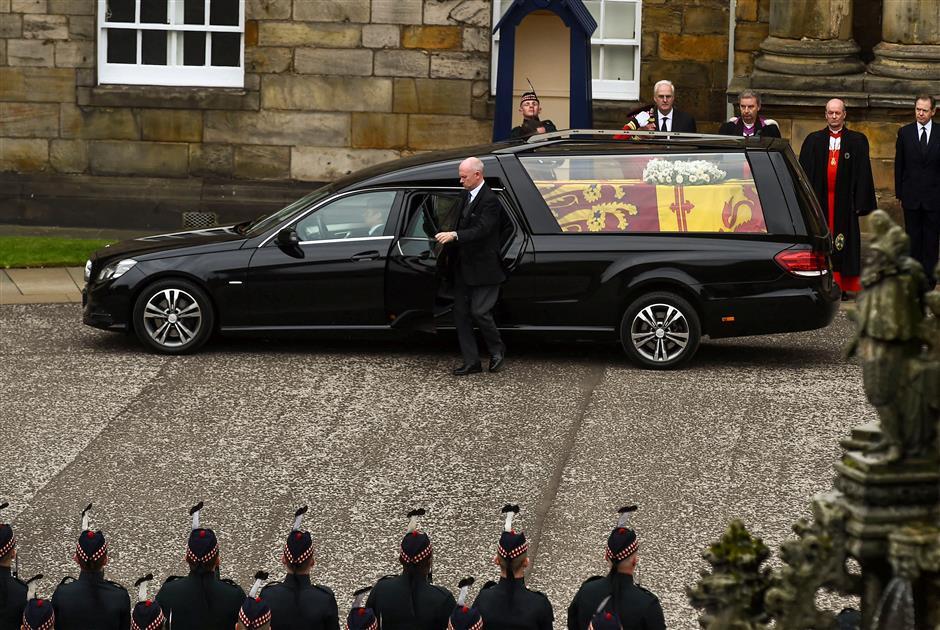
(595, 62)
(223, 13)
(618, 63)
(194, 12)
(122, 45)
(356, 216)
(594, 6)
(120, 11)
(194, 48)
(619, 20)
(153, 12)
(226, 49)
(153, 47)
(706, 192)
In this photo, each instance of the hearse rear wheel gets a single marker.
(660, 331)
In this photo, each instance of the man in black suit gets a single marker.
(476, 269)
(668, 118)
(917, 183)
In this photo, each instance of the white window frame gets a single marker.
(174, 73)
(600, 89)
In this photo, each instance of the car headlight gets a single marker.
(116, 269)
(87, 271)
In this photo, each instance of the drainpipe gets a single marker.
(732, 9)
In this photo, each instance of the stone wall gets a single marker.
(330, 87)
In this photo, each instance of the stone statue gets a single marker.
(888, 343)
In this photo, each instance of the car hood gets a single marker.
(212, 239)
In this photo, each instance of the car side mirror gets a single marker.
(288, 238)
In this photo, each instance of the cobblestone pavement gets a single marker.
(362, 431)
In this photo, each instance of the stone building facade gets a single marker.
(334, 85)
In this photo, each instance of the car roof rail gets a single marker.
(566, 134)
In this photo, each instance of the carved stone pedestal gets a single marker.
(882, 499)
(915, 554)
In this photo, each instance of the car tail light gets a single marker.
(803, 262)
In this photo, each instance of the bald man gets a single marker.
(476, 268)
(836, 162)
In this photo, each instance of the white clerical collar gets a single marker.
(473, 193)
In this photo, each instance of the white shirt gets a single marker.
(928, 127)
(668, 117)
(473, 193)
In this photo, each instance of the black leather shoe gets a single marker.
(463, 370)
(496, 362)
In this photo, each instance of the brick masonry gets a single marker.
(330, 86)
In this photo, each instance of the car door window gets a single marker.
(364, 215)
(430, 213)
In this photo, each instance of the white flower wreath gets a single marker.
(685, 172)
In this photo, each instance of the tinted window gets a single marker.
(355, 216)
(702, 192)
(431, 213)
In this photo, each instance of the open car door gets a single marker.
(418, 289)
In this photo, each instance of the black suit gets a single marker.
(678, 122)
(477, 274)
(917, 185)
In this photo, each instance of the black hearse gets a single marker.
(655, 241)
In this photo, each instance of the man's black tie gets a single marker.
(923, 140)
(665, 118)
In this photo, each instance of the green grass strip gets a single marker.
(46, 251)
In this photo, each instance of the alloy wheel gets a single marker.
(172, 318)
(660, 332)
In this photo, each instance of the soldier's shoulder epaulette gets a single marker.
(172, 578)
(66, 580)
(116, 585)
(648, 592)
(231, 583)
(325, 589)
(592, 579)
(488, 584)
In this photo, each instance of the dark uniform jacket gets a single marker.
(12, 600)
(917, 175)
(201, 601)
(91, 603)
(519, 132)
(762, 128)
(397, 608)
(638, 608)
(296, 604)
(477, 245)
(509, 605)
(680, 122)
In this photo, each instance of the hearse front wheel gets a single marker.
(173, 316)
(660, 331)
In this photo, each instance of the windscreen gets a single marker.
(669, 193)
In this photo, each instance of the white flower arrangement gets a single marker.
(682, 172)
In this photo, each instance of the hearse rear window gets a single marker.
(702, 192)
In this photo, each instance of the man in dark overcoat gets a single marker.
(477, 270)
(839, 170)
(917, 183)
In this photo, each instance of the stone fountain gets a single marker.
(884, 509)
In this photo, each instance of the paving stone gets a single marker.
(42, 281)
(8, 288)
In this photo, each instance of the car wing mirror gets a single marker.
(288, 238)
